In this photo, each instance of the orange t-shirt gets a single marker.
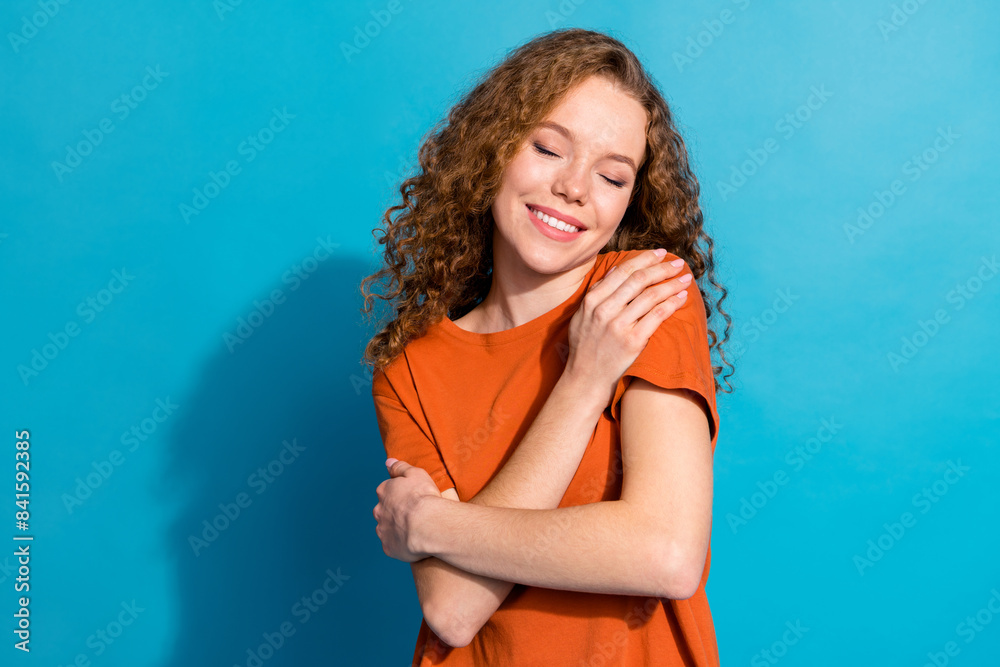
(456, 403)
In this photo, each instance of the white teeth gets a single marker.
(553, 222)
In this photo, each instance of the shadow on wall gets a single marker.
(276, 459)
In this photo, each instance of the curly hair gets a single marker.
(438, 252)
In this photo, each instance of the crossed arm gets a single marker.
(653, 541)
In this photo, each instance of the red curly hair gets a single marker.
(438, 251)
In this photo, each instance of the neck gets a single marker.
(518, 294)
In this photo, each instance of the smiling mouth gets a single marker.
(554, 222)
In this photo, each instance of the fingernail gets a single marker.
(659, 252)
(677, 262)
(682, 294)
(686, 278)
(611, 269)
(389, 462)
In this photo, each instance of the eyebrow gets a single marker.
(569, 135)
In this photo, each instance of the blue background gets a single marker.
(326, 178)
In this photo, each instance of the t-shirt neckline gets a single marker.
(530, 327)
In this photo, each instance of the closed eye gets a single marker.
(543, 151)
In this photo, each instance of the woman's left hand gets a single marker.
(398, 498)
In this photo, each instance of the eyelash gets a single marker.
(544, 151)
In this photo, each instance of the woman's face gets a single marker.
(579, 166)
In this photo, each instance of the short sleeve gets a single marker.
(403, 436)
(677, 356)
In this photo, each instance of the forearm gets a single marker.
(535, 476)
(539, 471)
(606, 547)
(456, 603)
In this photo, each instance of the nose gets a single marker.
(571, 183)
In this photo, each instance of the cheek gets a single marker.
(527, 174)
(611, 207)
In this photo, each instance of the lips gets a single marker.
(568, 219)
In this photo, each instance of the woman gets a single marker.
(570, 405)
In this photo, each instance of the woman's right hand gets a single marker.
(618, 315)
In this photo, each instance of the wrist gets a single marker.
(421, 528)
(586, 393)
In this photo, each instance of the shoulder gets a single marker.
(391, 379)
(620, 256)
(692, 311)
(428, 347)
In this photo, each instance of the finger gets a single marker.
(399, 468)
(656, 315)
(622, 271)
(668, 263)
(411, 470)
(655, 295)
(642, 260)
(620, 287)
